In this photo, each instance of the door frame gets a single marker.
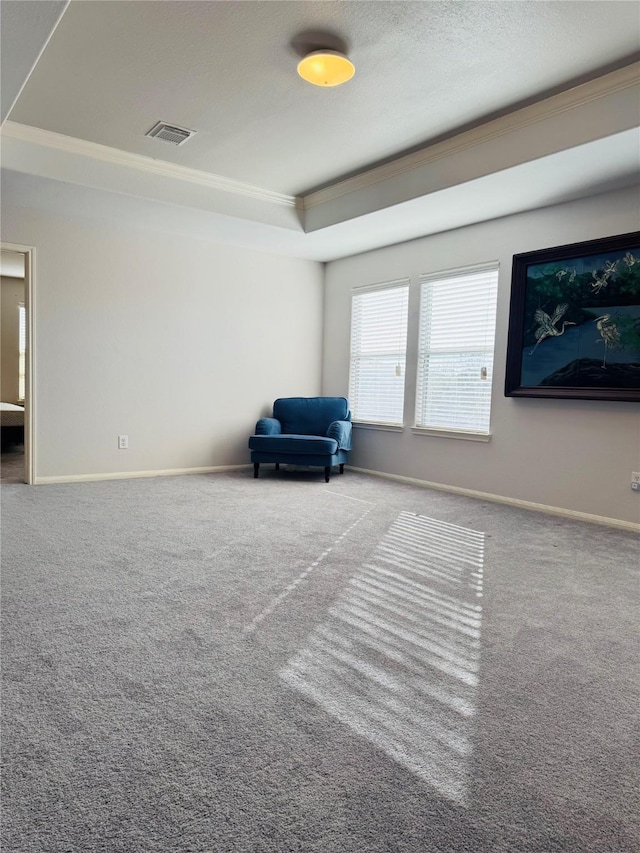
(29, 253)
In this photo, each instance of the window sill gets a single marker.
(373, 425)
(452, 433)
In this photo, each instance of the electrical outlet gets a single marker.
(635, 481)
(123, 442)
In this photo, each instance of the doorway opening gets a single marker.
(16, 360)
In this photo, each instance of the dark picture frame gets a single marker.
(574, 321)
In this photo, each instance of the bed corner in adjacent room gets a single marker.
(12, 424)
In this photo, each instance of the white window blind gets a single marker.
(455, 357)
(22, 349)
(378, 352)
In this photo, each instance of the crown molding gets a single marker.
(161, 168)
(601, 87)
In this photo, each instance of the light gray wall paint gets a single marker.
(179, 344)
(573, 454)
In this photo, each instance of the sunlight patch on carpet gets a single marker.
(398, 659)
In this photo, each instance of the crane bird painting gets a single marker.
(582, 303)
(609, 335)
(548, 326)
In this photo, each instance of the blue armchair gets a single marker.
(313, 431)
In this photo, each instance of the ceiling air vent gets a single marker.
(170, 133)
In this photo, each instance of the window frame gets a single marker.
(22, 352)
(466, 432)
(399, 354)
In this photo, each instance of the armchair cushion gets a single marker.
(292, 444)
(310, 415)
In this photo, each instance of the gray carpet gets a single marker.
(215, 663)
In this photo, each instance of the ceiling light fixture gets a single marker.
(326, 68)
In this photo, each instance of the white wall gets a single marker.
(180, 344)
(573, 454)
(12, 297)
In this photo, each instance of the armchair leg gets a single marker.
(327, 474)
(277, 466)
(256, 469)
(342, 467)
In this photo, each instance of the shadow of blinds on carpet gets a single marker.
(398, 658)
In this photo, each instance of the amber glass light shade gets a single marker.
(326, 68)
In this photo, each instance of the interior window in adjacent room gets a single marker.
(22, 349)
(378, 352)
(455, 356)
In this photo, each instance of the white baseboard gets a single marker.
(486, 496)
(134, 475)
(412, 481)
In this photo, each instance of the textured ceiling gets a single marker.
(24, 30)
(227, 70)
(467, 87)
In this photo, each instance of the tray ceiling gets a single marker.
(427, 72)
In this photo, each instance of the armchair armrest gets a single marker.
(268, 426)
(341, 431)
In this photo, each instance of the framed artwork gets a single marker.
(574, 322)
